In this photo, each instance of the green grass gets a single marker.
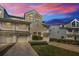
(48, 50)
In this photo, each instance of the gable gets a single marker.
(37, 27)
(73, 23)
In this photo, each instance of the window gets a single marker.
(34, 33)
(30, 16)
(57, 31)
(7, 24)
(39, 33)
(69, 30)
(73, 24)
(77, 24)
(62, 37)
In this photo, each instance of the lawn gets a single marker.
(48, 50)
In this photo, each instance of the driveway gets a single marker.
(21, 49)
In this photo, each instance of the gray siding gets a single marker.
(56, 32)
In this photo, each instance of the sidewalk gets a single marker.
(70, 47)
(21, 49)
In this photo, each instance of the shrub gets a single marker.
(40, 38)
(39, 43)
(35, 37)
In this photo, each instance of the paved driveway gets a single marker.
(21, 49)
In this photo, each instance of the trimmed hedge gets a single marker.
(65, 41)
(35, 37)
(39, 43)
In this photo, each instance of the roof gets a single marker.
(7, 16)
(16, 17)
(59, 21)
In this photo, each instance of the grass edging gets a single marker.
(49, 50)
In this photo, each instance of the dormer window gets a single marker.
(73, 24)
(77, 24)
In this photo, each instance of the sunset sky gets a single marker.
(50, 11)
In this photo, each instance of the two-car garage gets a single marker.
(12, 39)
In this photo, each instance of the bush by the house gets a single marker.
(35, 37)
(39, 43)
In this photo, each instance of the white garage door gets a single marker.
(2, 40)
(9, 39)
(6, 39)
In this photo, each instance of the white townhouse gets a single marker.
(69, 31)
(16, 29)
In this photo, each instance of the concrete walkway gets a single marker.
(21, 49)
(70, 47)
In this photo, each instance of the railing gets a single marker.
(13, 29)
(7, 28)
(72, 33)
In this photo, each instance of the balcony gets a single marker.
(72, 33)
(7, 28)
(13, 29)
(20, 29)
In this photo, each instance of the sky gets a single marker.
(50, 11)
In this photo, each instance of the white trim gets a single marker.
(74, 20)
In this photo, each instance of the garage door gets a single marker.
(2, 40)
(8, 39)
(22, 39)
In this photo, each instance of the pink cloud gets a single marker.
(19, 9)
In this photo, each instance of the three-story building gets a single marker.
(16, 29)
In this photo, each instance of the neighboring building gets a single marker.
(16, 29)
(68, 31)
(56, 32)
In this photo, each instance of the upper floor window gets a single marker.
(77, 24)
(30, 17)
(73, 24)
(7, 25)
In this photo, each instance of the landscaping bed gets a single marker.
(74, 42)
(48, 50)
(38, 43)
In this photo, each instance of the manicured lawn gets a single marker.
(48, 50)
